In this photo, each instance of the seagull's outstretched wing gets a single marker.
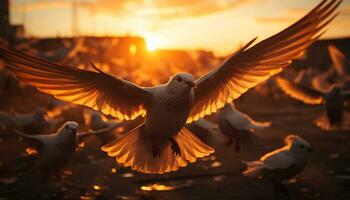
(253, 65)
(98, 90)
(340, 63)
(300, 92)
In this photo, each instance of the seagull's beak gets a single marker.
(191, 84)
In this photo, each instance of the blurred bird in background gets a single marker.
(338, 73)
(35, 122)
(95, 121)
(237, 126)
(334, 117)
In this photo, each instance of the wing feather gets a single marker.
(340, 62)
(300, 92)
(252, 65)
(98, 90)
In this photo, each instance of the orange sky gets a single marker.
(218, 25)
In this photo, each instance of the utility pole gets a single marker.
(74, 19)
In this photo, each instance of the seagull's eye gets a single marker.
(66, 127)
(179, 79)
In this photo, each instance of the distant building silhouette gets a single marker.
(9, 32)
(4, 20)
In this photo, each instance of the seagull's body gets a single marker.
(281, 164)
(162, 143)
(169, 110)
(56, 149)
(237, 125)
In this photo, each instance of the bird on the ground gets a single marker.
(56, 149)
(204, 129)
(237, 126)
(335, 117)
(95, 121)
(281, 164)
(162, 143)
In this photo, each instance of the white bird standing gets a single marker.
(281, 164)
(56, 149)
(162, 143)
(237, 125)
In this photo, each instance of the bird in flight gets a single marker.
(162, 143)
(335, 116)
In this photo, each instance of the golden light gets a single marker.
(133, 49)
(157, 187)
(97, 187)
(172, 186)
(31, 151)
(151, 42)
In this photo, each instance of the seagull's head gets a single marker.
(70, 128)
(297, 144)
(182, 81)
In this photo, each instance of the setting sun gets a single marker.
(151, 42)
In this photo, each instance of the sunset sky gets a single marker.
(217, 25)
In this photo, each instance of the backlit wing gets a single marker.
(341, 64)
(253, 65)
(98, 90)
(300, 92)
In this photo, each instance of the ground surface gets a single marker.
(89, 175)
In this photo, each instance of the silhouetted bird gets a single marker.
(335, 118)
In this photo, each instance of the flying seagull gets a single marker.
(338, 73)
(335, 118)
(281, 164)
(162, 143)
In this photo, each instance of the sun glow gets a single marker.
(152, 42)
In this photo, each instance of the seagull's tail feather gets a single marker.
(133, 150)
(254, 169)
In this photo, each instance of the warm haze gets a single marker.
(215, 25)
